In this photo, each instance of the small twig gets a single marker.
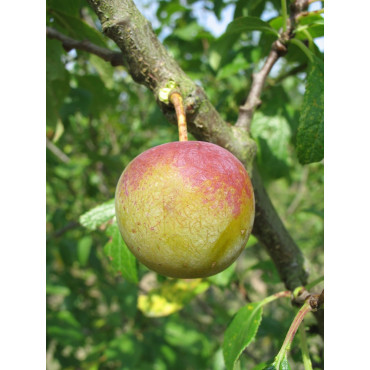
(115, 58)
(55, 150)
(305, 14)
(247, 109)
(304, 310)
(69, 226)
(283, 76)
(177, 101)
(278, 49)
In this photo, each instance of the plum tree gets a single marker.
(185, 209)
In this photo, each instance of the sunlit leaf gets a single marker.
(98, 215)
(241, 332)
(223, 278)
(170, 297)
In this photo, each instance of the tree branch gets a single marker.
(150, 64)
(247, 109)
(56, 151)
(283, 76)
(115, 58)
(278, 49)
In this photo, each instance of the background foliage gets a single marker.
(105, 311)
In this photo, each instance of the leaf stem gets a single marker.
(304, 348)
(176, 100)
(285, 293)
(314, 283)
(306, 13)
(304, 48)
(304, 310)
(284, 14)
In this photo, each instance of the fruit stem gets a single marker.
(176, 100)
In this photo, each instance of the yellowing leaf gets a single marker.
(170, 297)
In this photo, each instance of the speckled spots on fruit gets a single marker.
(185, 216)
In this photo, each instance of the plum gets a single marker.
(185, 209)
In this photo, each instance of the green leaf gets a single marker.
(71, 7)
(104, 69)
(279, 365)
(98, 215)
(241, 332)
(78, 100)
(83, 249)
(223, 44)
(223, 278)
(122, 260)
(244, 24)
(57, 290)
(261, 366)
(171, 296)
(189, 32)
(65, 328)
(273, 135)
(303, 48)
(101, 96)
(310, 135)
(232, 69)
(76, 28)
(57, 84)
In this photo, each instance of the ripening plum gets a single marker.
(185, 209)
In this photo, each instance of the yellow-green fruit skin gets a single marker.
(185, 209)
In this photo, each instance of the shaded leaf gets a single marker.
(279, 365)
(83, 249)
(303, 48)
(244, 24)
(122, 260)
(223, 44)
(70, 7)
(273, 136)
(310, 135)
(98, 215)
(101, 97)
(126, 349)
(224, 277)
(57, 84)
(76, 28)
(65, 328)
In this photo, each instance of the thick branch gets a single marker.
(115, 58)
(270, 230)
(149, 63)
